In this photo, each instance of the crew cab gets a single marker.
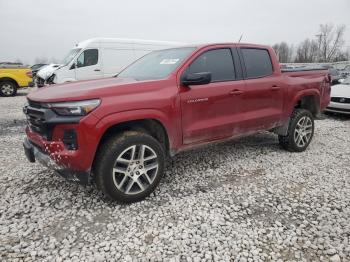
(12, 78)
(118, 131)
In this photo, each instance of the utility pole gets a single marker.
(319, 36)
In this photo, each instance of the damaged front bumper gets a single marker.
(34, 153)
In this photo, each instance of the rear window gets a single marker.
(257, 62)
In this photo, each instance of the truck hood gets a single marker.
(82, 90)
(341, 90)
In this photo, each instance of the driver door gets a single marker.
(88, 65)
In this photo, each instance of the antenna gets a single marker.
(240, 38)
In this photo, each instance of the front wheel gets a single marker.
(300, 131)
(129, 166)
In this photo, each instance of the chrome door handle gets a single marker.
(97, 70)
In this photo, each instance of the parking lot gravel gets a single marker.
(242, 200)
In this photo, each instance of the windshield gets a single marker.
(157, 64)
(72, 53)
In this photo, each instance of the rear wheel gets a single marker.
(8, 88)
(300, 131)
(129, 166)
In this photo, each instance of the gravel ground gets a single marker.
(243, 200)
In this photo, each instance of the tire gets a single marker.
(124, 178)
(300, 131)
(8, 88)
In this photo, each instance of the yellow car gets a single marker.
(13, 78)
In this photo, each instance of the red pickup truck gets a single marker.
(119, 131)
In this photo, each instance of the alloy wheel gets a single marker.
(303, 131)
(135, 169)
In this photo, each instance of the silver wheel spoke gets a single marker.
(298, 139)
(119, 170)
(129, 186)
(142, 152)
(121, 184)
(151, 166)
(148, 178)
(150, 158)
(139, 183)
(133, 150)
(123, 160)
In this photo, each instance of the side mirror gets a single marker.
(196, 79)
(73, 66)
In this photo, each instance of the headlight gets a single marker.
(79, 108)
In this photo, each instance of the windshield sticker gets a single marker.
(169, 61)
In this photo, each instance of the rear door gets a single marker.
(88, 65)
(209, 111)
(262, 99)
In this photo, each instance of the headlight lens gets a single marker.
(79, 108)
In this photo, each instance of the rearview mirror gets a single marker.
(196, 79)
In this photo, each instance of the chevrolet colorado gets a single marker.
(119, 131)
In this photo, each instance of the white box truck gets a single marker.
(98, 58)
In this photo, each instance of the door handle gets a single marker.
(275, 88)
(236, 92)
(97, 70)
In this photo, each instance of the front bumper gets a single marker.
(341, 108)
(34, 153)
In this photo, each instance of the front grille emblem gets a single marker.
(342, 100)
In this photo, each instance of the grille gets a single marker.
(344, 100)
(36, 119)
(34, 104)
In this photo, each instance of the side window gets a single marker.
(87, 58)
(218, 62)
(257, 62)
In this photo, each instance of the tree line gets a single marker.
(326, 46)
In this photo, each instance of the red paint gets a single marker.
(190, 115)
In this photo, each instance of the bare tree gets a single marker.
(343, 55)
(283, 51)
(307, 51)
(330, 40)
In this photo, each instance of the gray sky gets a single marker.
(48, 28)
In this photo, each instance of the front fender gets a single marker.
(11, 76)
(170, 125)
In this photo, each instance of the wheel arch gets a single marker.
(7, 78)
(151, 126)
(309, 100)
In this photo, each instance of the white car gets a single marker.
(340, 98)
